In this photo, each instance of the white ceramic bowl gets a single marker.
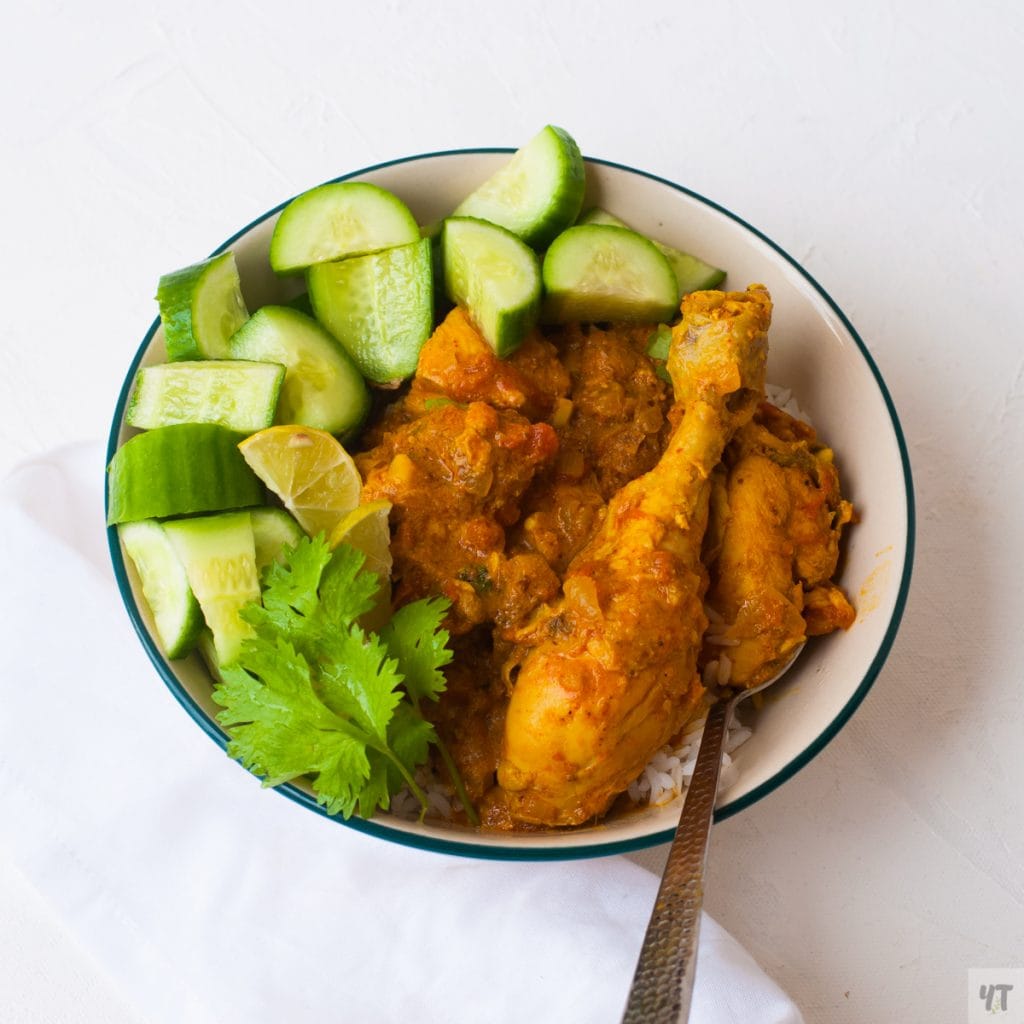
(814, 350)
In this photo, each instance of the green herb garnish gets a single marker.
(479, 578)
(313, 694)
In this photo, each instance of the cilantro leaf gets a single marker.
(415, 638)
(293, 583)
(358, 679)
(410, 736)
(281, 728)
(312, 694)
(377, 789)
(343, 771)
(346, 592)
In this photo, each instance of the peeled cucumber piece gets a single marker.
(178, 470)
(337, 220)
(219, 556)
(379, 307)
(537, 194)
(692, 274)
(600, 272)
(201, 306)
(177, 618)
(236, 394)
(495, 276)
(322, 387)
(274, 531)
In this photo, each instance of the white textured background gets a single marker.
(881, 147)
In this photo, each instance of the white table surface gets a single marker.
(880, 144)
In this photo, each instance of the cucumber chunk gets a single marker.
(347, 218)
(208, 652)
(322, 387)
(495, 276)
(219, 555)
(238, 395)
(537, 194)
(301, 303)
(178, 470)
(380, 307)
(201, 306)
(175, 610)
(273, 531)
(692, 274)
(601, 272)
(595, 215)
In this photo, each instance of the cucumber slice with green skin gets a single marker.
(658, 346)
(601, 272)
(208, 651)
(537, 194)
(595, 215)
(495, 276)
(302, 304)
(692, 274)
(201, 306)
(322, 387)
(659, 343)
(219, 555)
(238, 395)
(176, 615)
(334, 221)
(433, 232)
(379, 307)
(178, 470)
(274, 530)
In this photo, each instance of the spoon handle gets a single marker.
(663, 982)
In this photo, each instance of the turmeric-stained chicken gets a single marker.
(585, 519)
(778, 514)
(611, 428)
(607, 673)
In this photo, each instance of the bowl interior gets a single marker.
(813, 350)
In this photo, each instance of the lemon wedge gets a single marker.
(366, 529)
(309, 471)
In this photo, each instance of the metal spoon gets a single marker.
(663, 982)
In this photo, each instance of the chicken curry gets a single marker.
(587, 519)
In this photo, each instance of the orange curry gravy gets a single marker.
(498, 473)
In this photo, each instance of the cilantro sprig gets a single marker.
(314, 694)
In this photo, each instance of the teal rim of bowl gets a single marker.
(526, 853)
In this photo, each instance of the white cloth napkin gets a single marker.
(208, 899)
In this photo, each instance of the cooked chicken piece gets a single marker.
(612, 428)
(454, 457)
(780, 513)
(457, 362)
(454, 477)
(607, 673)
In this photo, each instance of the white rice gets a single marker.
(783, 399)
(669, 773)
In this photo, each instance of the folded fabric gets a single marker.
(208, 899)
